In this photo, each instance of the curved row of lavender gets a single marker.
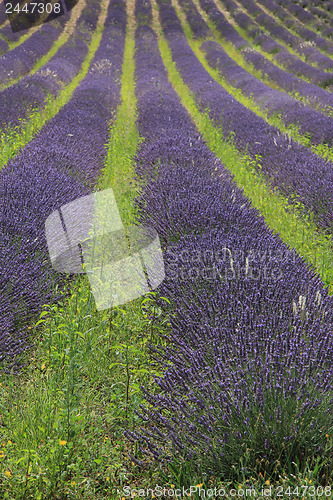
(61, 163)
(20, 61)
(259, 37)
(292, 23)
(288, 165)
(278, 32)
(318, 127)
(199, 27)
(239, 345)
(30, 93)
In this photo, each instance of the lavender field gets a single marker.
(212, 123)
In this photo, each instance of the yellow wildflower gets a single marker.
(9, 442)
(62, 442)
(43, 366)
(267, 482)
(8, 474)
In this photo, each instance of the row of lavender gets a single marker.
(62, 163)
(311, 14)
(260, 38)
(316, 96)
(318, 127)
(17, 101)
(250, 322)
(288, 165)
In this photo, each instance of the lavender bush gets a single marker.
(248, 359)
(62, 163)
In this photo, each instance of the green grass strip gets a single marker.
(13, 140)
(294, 228)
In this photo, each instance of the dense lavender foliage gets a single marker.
(310, 16)
(289, 165)
(305, 16)
(301, 69)
(20, 60)
(62, 163)
(318, 127)
(222, 25)
(198, 25)
(236, 343)
(17, 101)
(143, 12)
